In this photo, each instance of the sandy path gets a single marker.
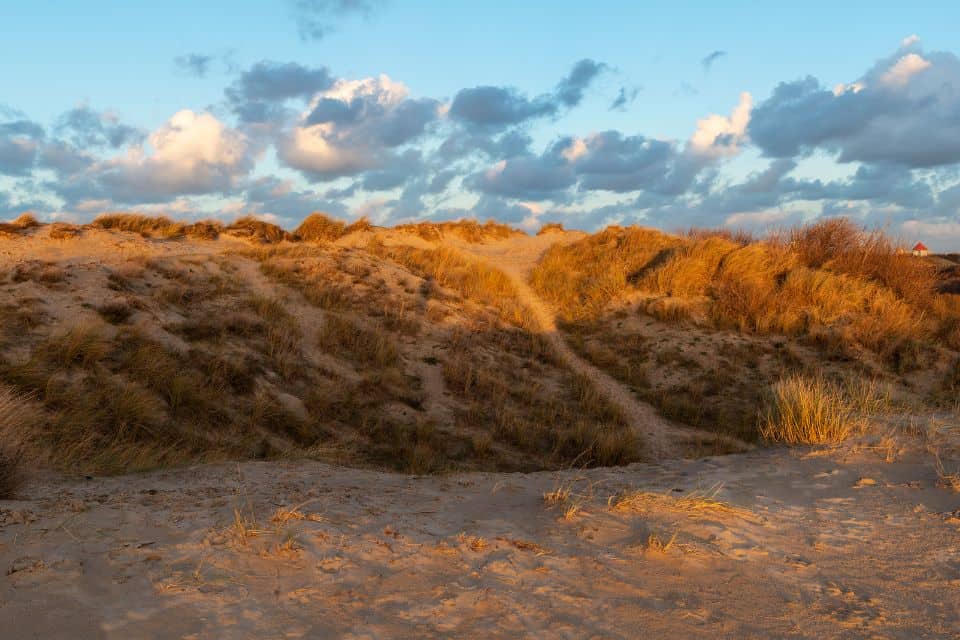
(839, 545)
(517, 257)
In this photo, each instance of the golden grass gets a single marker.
(361, 345)
(318, 227)
(158, 226)
(19, 225)
(838, 286)
(810, 410)
(469, 230)
(258, 230)
(472, 278)
(17, 416)
(26, 221)
(551, 227)
(63, 231)
(697, 503)
(582, 278)
(947, 478)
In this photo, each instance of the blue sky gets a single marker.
(403, 110)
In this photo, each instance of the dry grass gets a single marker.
(158, 227)
(582, 278)
(469, 230)
(697, 503)
(64, 231)
(832, 284)
(551, 227)
(810, 410)
(17, 416)
(318, 227)
(358, 226)
(947, 478)
(361, 345)
(471, 278)
(19, 225)
(26, 221)
(258, 230)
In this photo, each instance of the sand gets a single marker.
(811, 544)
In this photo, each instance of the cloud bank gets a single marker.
(288, 138)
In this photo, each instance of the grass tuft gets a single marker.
(809, 410)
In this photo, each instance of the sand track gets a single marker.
(516, 258)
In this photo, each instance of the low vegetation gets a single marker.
(468, 230)
(420, 357)
(16, 416)
(736, 315)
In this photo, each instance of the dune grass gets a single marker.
(814, 410)
(471, 278)
(831, 282)
(318, 227)
(17, 416)
(469, 230)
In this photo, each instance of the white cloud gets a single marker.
(718, 135)
(905, 68)
(191, 153)
(351, 126)
(910, 40)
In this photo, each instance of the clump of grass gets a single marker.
(17, 416)
(469, 230)
(159, 226)
(696, 503)
(82, 344)
(582, 278)
(471, 278)
(204, 230)
(658, 544)
(26, 221)
(318, 227)
(357, 343)
(809, 410)
(947, 478)
(359, 225)
(63, 231)
(21, 223)
(258, 230)
(115, 311)
(551, 227)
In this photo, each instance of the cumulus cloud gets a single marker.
(354, 126)
(902, 111)
(570, 90)
(496, 108)
(722, 135)
(20, 141)
(192, 153)
(260, 92)
(317, 19)
(84, 127)
(532, 178)
(899, 74)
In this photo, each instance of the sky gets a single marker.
(661, 114)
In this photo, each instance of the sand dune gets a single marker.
(802, 544)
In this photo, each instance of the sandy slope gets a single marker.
(516, 257)
(826, 545)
